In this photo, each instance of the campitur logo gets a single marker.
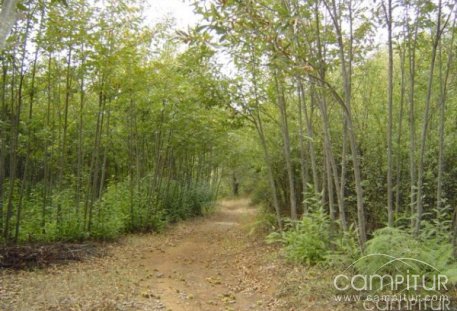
(388, 288)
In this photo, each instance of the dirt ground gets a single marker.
(209, 263)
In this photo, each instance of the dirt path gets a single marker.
(203, 264)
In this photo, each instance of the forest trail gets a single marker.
(209, 263)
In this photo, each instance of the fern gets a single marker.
(386, 245)
(394, 251)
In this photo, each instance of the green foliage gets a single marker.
(119, 128)
(121, 209)
(437, 225)
(265, 222)
(261, 193)
(112, 212)
(345, 249)
(386, 245)
(181, 201)
(394, 251)
(306, 241)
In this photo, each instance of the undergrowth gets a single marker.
(122, 208)
(390, 251)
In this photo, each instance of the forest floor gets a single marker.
(208, 263)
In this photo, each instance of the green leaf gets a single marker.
(21, 7)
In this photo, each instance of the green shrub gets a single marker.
(110, 213)
(261, 193)
(121, 209)
(306, 241)
(435, 241)
(265, 222)
(180, 201)
(345, 249)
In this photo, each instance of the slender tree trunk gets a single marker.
(330, 185)
(390, 89)
(286, 141)
(65, 124)
(130, 164)
(303, 164)
(346, 76)
(268, 161)
(96, 157)
(12, 153)
(301, 102)
(26, 178)
(312, 151)
(420, 169)
(344, 152)
(332, 173)
(399, 157)
(259, 127)
(412, 43)
(92, 184)
(80, 155)
(105, 155)
(8, 17)
(3, 138)
(15, 121)
(331, 167)
(442, 117)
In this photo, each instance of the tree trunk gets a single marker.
(420, 169)
(281, 101)
(412, 43)
(399, 161)
(303, 164)
(8, 17)
(26, 177)
(442, 117)
(390, 89)
(346, 76)
(3, 138)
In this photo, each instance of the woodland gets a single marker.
(337, 117)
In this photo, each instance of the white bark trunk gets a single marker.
(8, 17)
